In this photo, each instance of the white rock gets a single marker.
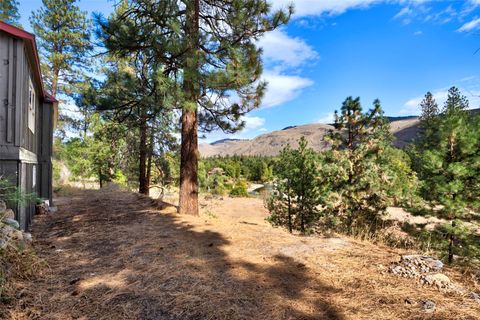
(11, 222)
(439, 280)
(475, 296)
(27, 237)
(428, 306)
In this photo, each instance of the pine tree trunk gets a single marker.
(150, 158)
(290, 226)
(189, 150)
(143, 153)
(56, 74)
(100, 178)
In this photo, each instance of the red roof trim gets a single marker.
(20, 33)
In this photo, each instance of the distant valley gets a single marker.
(404, 129)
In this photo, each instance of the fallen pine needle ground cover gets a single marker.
(117, 255)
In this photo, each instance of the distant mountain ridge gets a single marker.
(404, 129)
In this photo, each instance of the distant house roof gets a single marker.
(33, 55)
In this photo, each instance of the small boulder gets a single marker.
(12, 223)
(428, 306)
(27, 237)
(3, 244)
(9, 214)
(6, 231)
(439, 280)
(475, 296)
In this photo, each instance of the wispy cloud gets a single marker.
(305, 8)
(470, 26)
(405, 11)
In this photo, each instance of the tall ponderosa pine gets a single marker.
(428, 119)
(209, 48)
(448, 163)
(63, 34)
(9, 12)
(355, 184)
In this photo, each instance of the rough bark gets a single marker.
(143, 153)
(188, 203)
(56, 74)
(150, 158)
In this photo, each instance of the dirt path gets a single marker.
(115, 255)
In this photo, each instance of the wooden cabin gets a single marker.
(27, 119)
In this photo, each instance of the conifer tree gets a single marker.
(428, 119)
(355, 177)
(447, 165)
(209, 48)
(9, 12)
(135, 95)
(296, 193)
(429, 109)
(63, 34)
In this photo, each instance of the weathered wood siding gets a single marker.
(7, 98)
(15, 74)
(45, 151)
(25, 156)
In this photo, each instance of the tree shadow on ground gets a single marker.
(112, 255)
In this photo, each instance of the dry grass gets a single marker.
(117, 255)
(19, 266)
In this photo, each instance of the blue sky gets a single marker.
(394, 50)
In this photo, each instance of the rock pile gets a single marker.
(10, 229)
(414, 266)
(426, 269)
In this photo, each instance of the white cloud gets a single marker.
(284, 57)
(252, 123)
(333, 7)
(406, 11)
(283, 88)
(418, 33)
(278, 47)
(469, 26)
(327, 118)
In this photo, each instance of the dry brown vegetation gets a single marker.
(117, 255)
